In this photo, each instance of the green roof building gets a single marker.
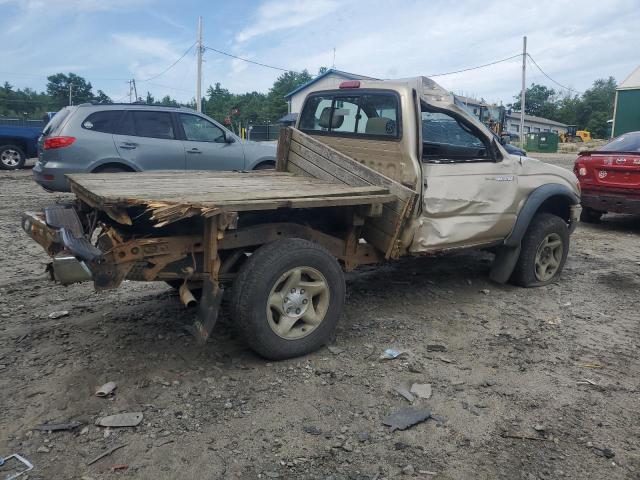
(626, 113)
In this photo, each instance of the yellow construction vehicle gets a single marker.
(573, 135)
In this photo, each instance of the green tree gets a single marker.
(285, 83)
(58, 89)
(539, 101)
(102, 97)
(597, 106)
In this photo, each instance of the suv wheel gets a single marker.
(287, 298)
(544, 251)
(12, 157)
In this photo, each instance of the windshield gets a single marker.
(629, 142)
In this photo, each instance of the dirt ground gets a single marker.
(556, 366)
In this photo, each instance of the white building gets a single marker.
(329, 80)
(532, 124)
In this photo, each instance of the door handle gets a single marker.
(128, 145)
(194, 150)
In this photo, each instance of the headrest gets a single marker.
(326, 121)
(380, 126)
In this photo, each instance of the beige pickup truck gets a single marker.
(373, 171)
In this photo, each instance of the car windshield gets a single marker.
(629, 142)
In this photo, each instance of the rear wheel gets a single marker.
(12, 157)
(589, 215)
(266, 166)
(544, 251)
(287, 298)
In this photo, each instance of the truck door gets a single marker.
(469, 197)
(147, 140)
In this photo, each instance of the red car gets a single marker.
(610, 177)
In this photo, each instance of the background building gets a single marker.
(626, 112)
(532, 124)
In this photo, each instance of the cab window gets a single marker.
(200, 130)
(354, 115)
(446, 139)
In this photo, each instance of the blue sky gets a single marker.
(111, 41)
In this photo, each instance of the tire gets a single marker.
(544, 251)
(12, 157)
(589, 215)
(265, 166)
(259, 304)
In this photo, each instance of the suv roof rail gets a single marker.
(140, 104)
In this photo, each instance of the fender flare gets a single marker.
(531, 206)
(507, 255)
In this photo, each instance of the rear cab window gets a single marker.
(352, 114)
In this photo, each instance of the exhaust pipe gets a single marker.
(186, 296)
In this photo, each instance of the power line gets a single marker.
(250, 61)
(475, 68)
(170, 66)
(545, 74)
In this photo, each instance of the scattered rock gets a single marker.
(436, 347)
(539, 427)
(408, 470)
(335, 350)
(121, 420)
(604, 452)
(43, 449)
(405, 393)
(405, 418)
(486, 291)
(58, 314)
(311, 430)
(421, 390)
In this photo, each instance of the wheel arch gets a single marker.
(112, 163)
(551, 198)
(18, 142)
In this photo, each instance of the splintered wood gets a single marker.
(174, 195)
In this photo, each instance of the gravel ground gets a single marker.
(527, 384)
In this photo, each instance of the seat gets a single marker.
(380, 126)
(327, 122)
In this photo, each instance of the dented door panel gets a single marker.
(466, 204)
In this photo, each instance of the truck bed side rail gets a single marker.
(304, 155)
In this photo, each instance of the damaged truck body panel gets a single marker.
(373, 171)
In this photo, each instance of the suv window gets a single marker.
(56, 121)
(147, 124)
(357, 114)
(200, 130)
(105, 121)
(444, 138)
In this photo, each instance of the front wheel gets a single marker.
(544, 251)
(287, 298)
(12, 157)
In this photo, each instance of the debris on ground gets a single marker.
(421, 390)
(486, 291)
(335, 350)
(54, 427)
(436, 347)
(106, 389)
(390, 354)
(311, 430)
(130, 419)
(119, 466)
(445, 359)
(58, 314)
(404, 393)
(604, 452)
(106, 453)
(19, 458)
(405, 418)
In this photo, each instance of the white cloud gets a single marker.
(281, 14)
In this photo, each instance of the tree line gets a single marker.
(589, 110)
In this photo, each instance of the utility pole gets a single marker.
(199, 69)
(70, 89)
(334, 58)
(135, 90)
(130, 89)
(524, 87)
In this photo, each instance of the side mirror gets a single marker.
(228, 138)
(503, 140)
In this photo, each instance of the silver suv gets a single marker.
(130, 137)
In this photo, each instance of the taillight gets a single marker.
(580, 170)
(58, 142)
(350, 84)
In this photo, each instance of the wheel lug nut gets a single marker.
(286, 299)
(293, 290)
(302, 290)
(297, 311)
(305, 301)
